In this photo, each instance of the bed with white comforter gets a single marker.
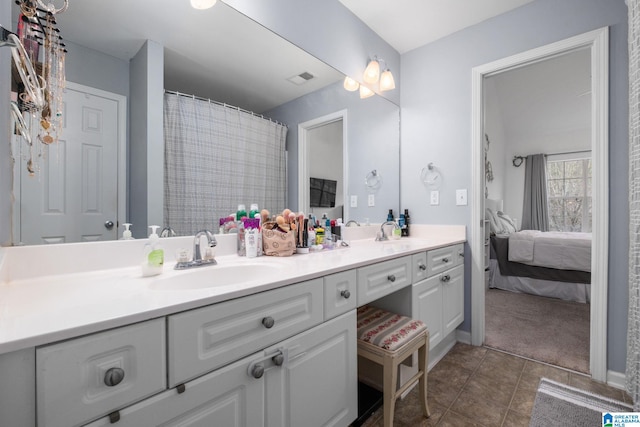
(552, 264)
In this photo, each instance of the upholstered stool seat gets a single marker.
(388, 339)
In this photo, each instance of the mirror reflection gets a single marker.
(217, 54)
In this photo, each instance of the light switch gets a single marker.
(354, 201)
(435, 197)
(461, 197)
(371, 201)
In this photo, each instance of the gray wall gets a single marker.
(436, 123)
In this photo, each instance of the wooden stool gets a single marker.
(388, 339)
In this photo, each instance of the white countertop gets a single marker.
(46, 297)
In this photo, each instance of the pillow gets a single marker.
(495, 224)
(507, 224)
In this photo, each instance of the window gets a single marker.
(569, 194)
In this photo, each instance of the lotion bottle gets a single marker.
(126, 234)
(153, 254)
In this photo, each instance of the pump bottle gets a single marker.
(153, 254)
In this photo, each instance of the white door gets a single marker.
(316, 385)
(73, 197)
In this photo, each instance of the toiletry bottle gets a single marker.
(405, 228)
(241, 212)
(311, 235)
(390, 215)
(126, 234)
(319, 236)
(258, 218)
(251, 237)
(254, 210)
(153, 254)
(326, 225)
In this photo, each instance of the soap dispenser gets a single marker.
(153, 254)
(126, 234)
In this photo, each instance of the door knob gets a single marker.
(108, 225)
(257, 371)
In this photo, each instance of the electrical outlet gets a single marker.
(371, 201)
(354, 201)
(435, 198)
(461, 197)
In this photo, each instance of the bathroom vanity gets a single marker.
(254, 342)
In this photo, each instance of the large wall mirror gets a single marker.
(244, 65)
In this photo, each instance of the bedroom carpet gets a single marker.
(544, 329)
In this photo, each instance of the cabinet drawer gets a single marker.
(439, 260)
(375, 281)
(339, 293)
(204, 339)
(72, 377)
(226, 397)
(419, 263)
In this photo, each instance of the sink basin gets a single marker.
(214, 276)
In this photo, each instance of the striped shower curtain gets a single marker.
(633, 329)
(217, 157)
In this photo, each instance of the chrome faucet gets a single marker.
(352, 221)
(199, 258)
(381, 236)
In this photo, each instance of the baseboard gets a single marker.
(616, 379)
(463, 336)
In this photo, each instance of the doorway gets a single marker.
(323, 141)
(79, 191)
(597, 42)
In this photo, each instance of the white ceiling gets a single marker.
(408, 24)
(545, 98)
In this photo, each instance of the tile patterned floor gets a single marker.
(477, 386)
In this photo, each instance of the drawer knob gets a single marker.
(461, 254)
(422, 267)
(113, 376)
(345, 294)
(445, 278)
(445, 260)
(391, 278)
(257, 371)
(278, 359)
(268, 322)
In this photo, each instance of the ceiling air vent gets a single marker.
(301, 78)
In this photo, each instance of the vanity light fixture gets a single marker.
(372, 75)
(372, 72)
(386, 81)
(202, 4)
(365, 92)
(350, 84)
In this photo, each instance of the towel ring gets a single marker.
(373, 180)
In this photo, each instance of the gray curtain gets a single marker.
(217, 157)
(534, 209)
(633, 328)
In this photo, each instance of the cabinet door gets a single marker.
(317, 383)
(453, 298)
(427, 306)
(229, 396)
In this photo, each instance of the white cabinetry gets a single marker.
(204, 339)
(307, 380)
(438, 299)
(88, 377)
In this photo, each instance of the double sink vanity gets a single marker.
(85, 340)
